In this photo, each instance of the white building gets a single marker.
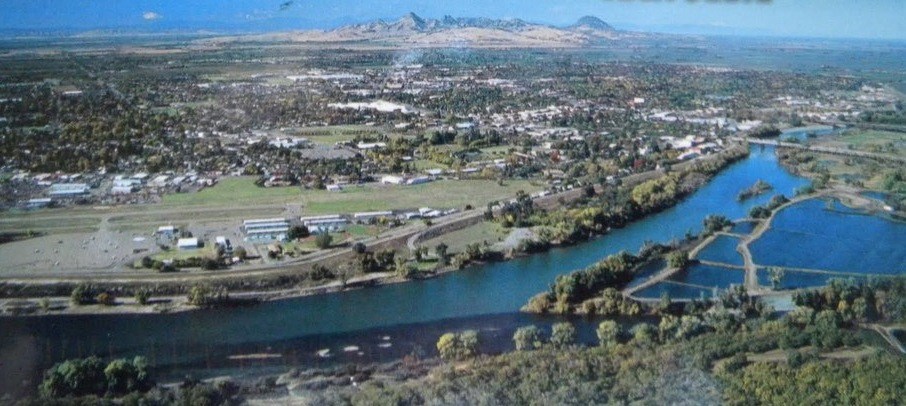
(392, 180)
(266, 229)
(327, 223)
(68, 189)
(188, 243)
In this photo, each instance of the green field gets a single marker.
(440, 194)
(869, 140)
(237, 191)
(457, 240)
(242, 192)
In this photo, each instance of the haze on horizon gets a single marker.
(878, 19)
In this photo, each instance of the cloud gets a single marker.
(151, 16)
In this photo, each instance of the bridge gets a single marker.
(826, 150)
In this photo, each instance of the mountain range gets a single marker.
(412, 30)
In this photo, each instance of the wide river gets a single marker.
(375, 324)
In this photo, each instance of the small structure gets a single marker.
(321, 224)
(38, 203)
(167, 231)
(188, 243)
(392, 180)
(418, 180)
(223, 242)
(334, 188)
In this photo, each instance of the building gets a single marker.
(266, 229)
(418, 180)
(167, 231)
(188, 243)
(68, 189)
(328, 223)
(334, 188)
(223, 242)
(368, 216)
(38, 203)
(392, 180)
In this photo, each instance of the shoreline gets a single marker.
(13, 307)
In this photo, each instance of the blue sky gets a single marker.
(802, 18)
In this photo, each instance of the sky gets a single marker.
(880, 19)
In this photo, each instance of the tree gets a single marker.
(106, 299)
(446, 346)
(323, 240)
(201, 295)
(776, 274)
(240, 253)
(359, 248)
(528, 338)
(142, 295)
(298, 232)
(563, 335)
(678, 259)
(441, 251)
(81, 295)
(75, 377)
(609, 333)
(125, 376)
(643, 334)
(458, 346)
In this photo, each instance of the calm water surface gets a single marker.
(369, 324)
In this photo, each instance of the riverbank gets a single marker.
(32, 305)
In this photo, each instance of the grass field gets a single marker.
(239, 192)
(331, 135)
(868, 140)
(457, 240)
(440, 194)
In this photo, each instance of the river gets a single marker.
(384, 323)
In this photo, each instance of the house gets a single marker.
(188, 243)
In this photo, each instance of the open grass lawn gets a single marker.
(331, 135)
(240, 192)
(440, 194)
(457, 240)
(234, 191)
(866, 140)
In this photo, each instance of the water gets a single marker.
(675, 291)
(743, 227)
(802, 134)
(413, 314)
(723, 250)
(838, 240)
(709, 276)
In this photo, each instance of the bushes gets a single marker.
(563, 335)
(457, 346)
(528, 338)
(89, 376)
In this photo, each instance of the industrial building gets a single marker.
(266, 229)
(68, 189)
(368, 216)
(327, 223)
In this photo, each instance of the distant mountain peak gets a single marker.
(594, 23)
(411, 21)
